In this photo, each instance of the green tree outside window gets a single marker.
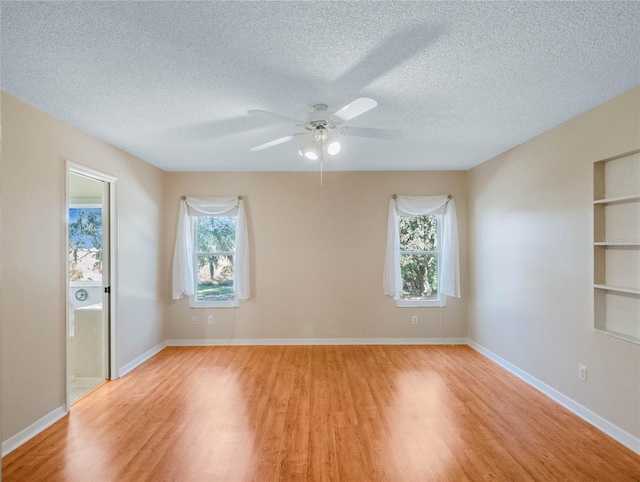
(419, 257)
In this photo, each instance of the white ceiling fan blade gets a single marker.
(369, 132)
(276, 117)
(275, 142)
(354, 109)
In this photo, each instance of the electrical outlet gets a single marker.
(414, 319)
(582, 373)
(193, 320)
(211, 319)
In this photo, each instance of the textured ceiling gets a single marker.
(171, 82)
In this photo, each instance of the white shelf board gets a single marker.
(621, 336)
(619, 289)
(635, 197)
(597, 243)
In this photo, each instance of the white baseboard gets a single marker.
(315, 341)
(593, 418)
(141, 359)
(32, 430)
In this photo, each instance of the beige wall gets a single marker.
(317, 256)
(531, 261)
(35, 147)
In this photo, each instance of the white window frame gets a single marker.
(193, 302)
(441, 300)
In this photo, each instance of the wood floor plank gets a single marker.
(320, 413)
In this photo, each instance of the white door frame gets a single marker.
(74, 168)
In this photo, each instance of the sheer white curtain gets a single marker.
(420, 206)
(183, 262)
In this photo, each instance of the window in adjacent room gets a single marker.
(85, 243)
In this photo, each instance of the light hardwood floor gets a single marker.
(347, 413)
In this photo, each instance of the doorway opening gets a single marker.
(90, 272)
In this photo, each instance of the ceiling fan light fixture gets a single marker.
(310, 150)
(333, 148)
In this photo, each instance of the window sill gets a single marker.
(213, 304)
(421, 303)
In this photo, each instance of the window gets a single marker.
(85, 243)
(421, 264)
(419, 260)
(211, 256)
(215, 249)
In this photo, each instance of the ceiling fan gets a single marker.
(321, 128)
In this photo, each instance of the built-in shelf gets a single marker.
(616, 247)
(621, 199)
(621, 336)
(619, 289)
(617, 244)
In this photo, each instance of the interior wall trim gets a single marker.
(315, 341)
(141, 359)
(32, 430)
(602, 424)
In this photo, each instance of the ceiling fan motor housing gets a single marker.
(317, 119)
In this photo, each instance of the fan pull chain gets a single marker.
(321, 158)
